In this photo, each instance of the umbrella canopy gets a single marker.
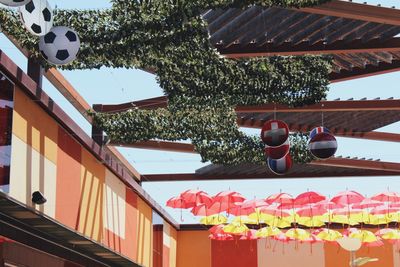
(235, 228)
(311, 212)
(388, 234)
(384, 210)
(328, 234)
(249, 235)
(229, 196)
(310, 222)
(329, 205)
(347, 198)
(204, 210)
(217, 229)
(367, 203)
(281, 198)
(282, 237)
(387, 197)
(179, 203)
(268, 231)
(221, 237)
(364, 235)
(245, 220)
(215, 219)
(308, 198)
(196, 197)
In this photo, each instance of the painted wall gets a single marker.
(81, 192)
(195, 249)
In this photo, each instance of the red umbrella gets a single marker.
(275, 211)
(281, 198)
(249, 235)
(381, 210)
(179, 203)
(239, 210)
(387, 197)
(221, 237)
(217, 229)
(204, 210)
(394, 205)
(308, 198)
(367, 203)
(227, 199)
(196, 197)
(311, 212)
(347, 198)
(326, 204)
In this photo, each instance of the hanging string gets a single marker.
(322, 115)
(274, 111)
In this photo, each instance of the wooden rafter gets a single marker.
(354, 167)
(339, 47)
(350, 10)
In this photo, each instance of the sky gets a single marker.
(112, 86)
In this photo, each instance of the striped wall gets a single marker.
(81, 192)
(195, 249)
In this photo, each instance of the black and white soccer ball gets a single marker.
(37, 16)
(14, 3)
(60, 45)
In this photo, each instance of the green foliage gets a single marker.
(170, 38)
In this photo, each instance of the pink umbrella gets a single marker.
(204, 210)
(326, 204)
(249, 235)
(238, 210)
(308, 198)
(217, 229)
(281, 198)
(381, 210)
(254, 203)
(196, 197)
(228, 199)
(345, 211)
(275, 211)
(347, 198)
(387, 197)
(179, 203)
(311, 212)
(394, 205)
(221, 237)
(367, 203)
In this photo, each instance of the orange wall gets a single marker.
(194, 249)
(81, 192)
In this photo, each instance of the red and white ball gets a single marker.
(277, 152)
(274, 133)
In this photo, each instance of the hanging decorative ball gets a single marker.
(274, 133)
(323, 145)
(14, 3)
(277, 152)
(60, 46)
(280, 166)
(37, 16)
(318, 130)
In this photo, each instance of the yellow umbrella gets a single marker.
(391, 235)
(377, 219)
(268, 231)
(299, 234)
(279, 222)
(213, 219)
(329, 235)
(345, 219)
(245, 220)
(310, 222)
(235, 228)
(364, 235)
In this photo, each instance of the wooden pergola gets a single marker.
(360, 37)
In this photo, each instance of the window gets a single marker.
(6, 111)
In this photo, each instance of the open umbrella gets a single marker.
(249, 235)
(217, 229)
(308, 198)
(179, 203)
(235, 228)
(367, 203)
(268, 231)
(298, 234)
(364, 235)
(281, 198)
(245, 220)
(387, 197)
(227, 200)
(388, 234)
(347, 198)
(204, 210)
(328, 234)
(196, 197)
(215, 219)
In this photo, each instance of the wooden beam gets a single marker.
(350, 10)
(369, 70)
(359, 164)
(151, 103)
(286, 49)
(326, 106)
(161, 146)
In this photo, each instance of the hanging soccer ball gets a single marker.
(60, 46)
(280, 166)
(277, 152)
(323, 145)
(14, 3)
(318, 130)
(274, 133)
(37, 17)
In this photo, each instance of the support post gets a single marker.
(35, 71)
(97, 134)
